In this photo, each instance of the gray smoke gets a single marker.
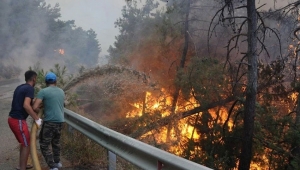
(21, 35)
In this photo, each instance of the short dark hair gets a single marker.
(29, 75)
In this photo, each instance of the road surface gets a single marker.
(9, 147)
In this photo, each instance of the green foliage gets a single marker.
(219, 145)
(274, 133)
(204, 79)
(272, 76)
(81, 70)
(134, 25)
(60, 72)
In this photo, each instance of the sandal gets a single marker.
(27, 167)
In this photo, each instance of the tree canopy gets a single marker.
(239, 82)
(220, 84)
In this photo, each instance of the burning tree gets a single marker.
(255, 35)
(223, 108)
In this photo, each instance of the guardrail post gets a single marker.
(159, 165)
(70, 129)
(112, 161)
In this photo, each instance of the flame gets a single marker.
(190, 132)
(161, 103)
(293, 96)
(60, 51)
(136, 112)
(184, 130)
(263, 166)
(151, 103)
(155, 106)
(221, 115)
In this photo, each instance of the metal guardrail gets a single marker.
(138, 153)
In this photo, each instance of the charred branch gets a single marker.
(229, 114)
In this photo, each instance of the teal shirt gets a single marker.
(53, 100)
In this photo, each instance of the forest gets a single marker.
(225, 80)
(31, 32)
(213, 81)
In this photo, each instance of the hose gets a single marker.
(33, 150)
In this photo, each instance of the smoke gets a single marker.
(94, 14)
(21, 34)
(32, 32)
(155, 45)
(266, 4)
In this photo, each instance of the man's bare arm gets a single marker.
(37, 104)
(28, 108)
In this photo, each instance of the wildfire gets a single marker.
(161, 104)
(293, 96)
(190, 132)
(151, 104)
(60, 51)
(222, 113)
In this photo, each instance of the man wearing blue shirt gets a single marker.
(52, 98)
(20, 109)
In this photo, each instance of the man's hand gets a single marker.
(38, 122)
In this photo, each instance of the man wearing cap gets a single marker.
(20, 109)
(52, 98)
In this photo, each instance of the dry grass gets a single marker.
(81, 151)
(84, 153)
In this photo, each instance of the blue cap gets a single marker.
(50, 77)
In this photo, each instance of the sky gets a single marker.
(99, 15)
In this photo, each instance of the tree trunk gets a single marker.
(182, 63)
(249, 113)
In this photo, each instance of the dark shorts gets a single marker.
(20, 130)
